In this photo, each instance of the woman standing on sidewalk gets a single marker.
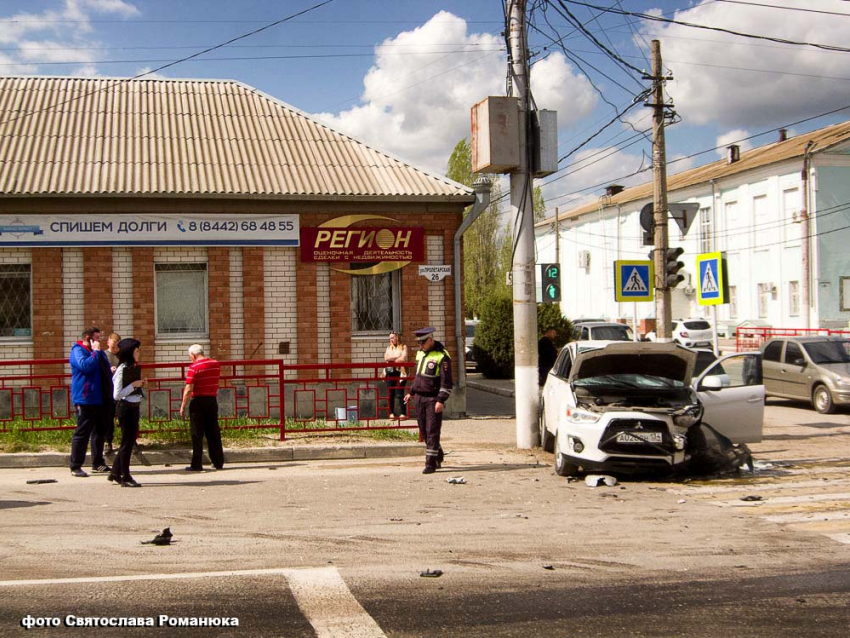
(395, 353)
(127, 384)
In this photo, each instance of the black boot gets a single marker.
(429, 469)
(440, 457)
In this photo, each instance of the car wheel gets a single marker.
(822, 400)
(547, 441)
(562, 466)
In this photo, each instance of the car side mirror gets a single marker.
(711, 382)
(799, 361)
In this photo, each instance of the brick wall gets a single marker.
(323, 312)
(219, 303)
(73, 319)
(237, 320)
(282, 298)
(253, 302)
(340, 304)
(436, 290)
(122, 291)
(143, 297)
(97, 288)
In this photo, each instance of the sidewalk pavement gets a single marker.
(470, 433)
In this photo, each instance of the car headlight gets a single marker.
(688, 416)
(581, 417)
(843, 381)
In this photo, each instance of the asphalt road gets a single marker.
(336, 548)
(479, 403)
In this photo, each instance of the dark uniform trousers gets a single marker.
(203, 421)
(430, 426)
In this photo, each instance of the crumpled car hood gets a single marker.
(665, 360)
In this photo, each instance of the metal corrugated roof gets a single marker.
(822, 140)
(62, 136)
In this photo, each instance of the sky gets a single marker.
(401, 75)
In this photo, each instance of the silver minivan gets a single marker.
(815, 369)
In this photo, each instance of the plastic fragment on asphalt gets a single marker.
(595, 480)
(752, 497)
(681, 501)
(549, 567)
(431, 574)
(456, 480)
(163, 538)
(41, 481)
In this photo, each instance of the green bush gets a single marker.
(494, 336)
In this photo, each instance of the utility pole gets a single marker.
(522, 198)
(663, 312)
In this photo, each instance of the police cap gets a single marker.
(424, 333)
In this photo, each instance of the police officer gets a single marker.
(432, 384)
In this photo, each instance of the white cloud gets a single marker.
(57, 34)
(706, 90)
(733, 137)
(417, 96)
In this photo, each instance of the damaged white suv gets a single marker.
(630, 406)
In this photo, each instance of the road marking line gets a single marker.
(329, 605)
(786, 500)
(811, 517)
(321, 595)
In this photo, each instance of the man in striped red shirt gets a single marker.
(202, 386)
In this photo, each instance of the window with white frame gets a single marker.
(794, 298)
(733, 301)
(764, 296)
(705, 230)
(844, 293)
(375, 302)
(791, 213)
(181, 299)
(15, 300)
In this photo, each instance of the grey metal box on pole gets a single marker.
(544, 159)
(495, 135)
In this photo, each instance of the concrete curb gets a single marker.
(505, 392)
(234, 455)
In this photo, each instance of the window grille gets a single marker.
(181, 299)
(374, 302)
(15, 300)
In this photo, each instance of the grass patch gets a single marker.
(19, 437)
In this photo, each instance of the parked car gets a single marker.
(471, 324)
(627, 406)
(815, 369)
(601, 331)
(692, 333)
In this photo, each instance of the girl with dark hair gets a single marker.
(127, 384)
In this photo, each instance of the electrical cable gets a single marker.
(775, 6)
(637, 99)
(645, 16)
(170, 64)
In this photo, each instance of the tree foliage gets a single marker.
(481, 240)
(494, 336)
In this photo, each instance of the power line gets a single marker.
(174, 63)
(637, 99)
(775, 6)
(693, 25)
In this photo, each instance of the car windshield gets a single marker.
(829, 351)
(470, 330)
(630, 381)
(704, 359)
(697, 325)
(612, 333)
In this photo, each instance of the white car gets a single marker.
(628, 406)
(692, 333)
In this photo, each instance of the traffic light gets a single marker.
(672, 266)
(551, 282)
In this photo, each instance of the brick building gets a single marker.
(129, 204)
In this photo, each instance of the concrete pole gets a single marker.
(663, 312)
(525, 306)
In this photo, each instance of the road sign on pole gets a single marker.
(634, 280)
(711, 279)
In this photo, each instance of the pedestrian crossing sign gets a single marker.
(711, 279)
(634, 281)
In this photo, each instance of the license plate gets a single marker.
(639, 437)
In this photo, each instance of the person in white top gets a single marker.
(396, 353)
(127, 384)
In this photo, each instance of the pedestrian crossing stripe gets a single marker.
(711, 279)
(634, 280)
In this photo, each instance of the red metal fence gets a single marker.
(753, 338)
(253, 394)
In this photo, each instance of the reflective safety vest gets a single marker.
(429, 379)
